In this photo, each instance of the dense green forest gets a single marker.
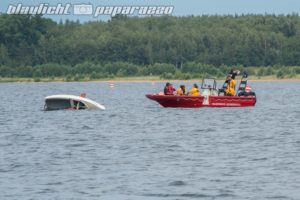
(168, 46)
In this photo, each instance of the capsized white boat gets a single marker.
(71, 102)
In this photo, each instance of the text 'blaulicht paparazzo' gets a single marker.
(88, 9)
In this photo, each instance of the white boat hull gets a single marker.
(72, 102)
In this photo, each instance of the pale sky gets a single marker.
(181, 7)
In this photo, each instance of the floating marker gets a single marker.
(111, 85)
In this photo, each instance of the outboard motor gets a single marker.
(244, 89)
(247, 92)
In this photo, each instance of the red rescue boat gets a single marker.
(210, 97)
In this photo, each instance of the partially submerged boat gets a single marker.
(70, 102)
(210, 97)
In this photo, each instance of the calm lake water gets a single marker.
(136, 149)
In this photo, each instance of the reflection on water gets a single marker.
(138, 150)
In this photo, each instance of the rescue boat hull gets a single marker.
(231, 101)
(198, 102)
(177, 101)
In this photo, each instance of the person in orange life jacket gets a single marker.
(169, 90)
(181, 90)
(230, 90)
(194, 91)
(233, 73)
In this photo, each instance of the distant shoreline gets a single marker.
(140, 79)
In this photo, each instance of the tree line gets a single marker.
(169, 46)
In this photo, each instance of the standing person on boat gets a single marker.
(230, 90)
(232, 74)
(169, 90)
(194, 91)
(181, 90)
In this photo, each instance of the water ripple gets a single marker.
(136, 149)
